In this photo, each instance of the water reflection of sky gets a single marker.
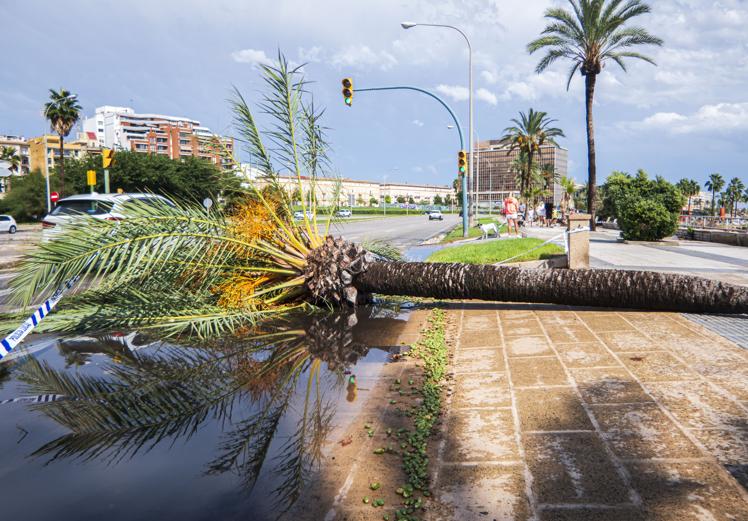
(172, 479)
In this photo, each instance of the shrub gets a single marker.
(645, 220)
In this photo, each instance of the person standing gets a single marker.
(548, 213)
(511, 207)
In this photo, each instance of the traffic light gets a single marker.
(107, 157)
(347, 91)
(461, 162)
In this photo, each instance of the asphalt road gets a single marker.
(400, 231)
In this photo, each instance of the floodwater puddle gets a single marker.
(119, 426)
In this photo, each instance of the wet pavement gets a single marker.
(562, 414)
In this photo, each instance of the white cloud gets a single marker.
(487, 96)
(311, 54)
(489, 77)
(720, 118)
(418, 122)
(456, 92)
(363, 57)
(252, 56)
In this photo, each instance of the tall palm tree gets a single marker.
(528, 134)
(590, 34)
(569, 187)
(689, 188)
(735, 194)
(714, 184)
(63, 112)
(10, 155)
(181, 270)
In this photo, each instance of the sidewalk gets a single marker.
(560, 414)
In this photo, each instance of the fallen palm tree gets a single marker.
(186, 270)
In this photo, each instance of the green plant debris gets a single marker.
(375, 485)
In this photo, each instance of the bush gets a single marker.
(27, 199)
(645, 220)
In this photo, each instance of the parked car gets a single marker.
(8, 224)
(435, 215)
(344, 212)
(110, 207)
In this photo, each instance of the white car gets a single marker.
(299, 215)
(435, 215)
(8, 224)
(344, 213)
(110, 207)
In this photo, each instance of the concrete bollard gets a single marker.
(579, 243)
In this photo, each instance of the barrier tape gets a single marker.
(17, 336)
(42, 398)
(565, 235)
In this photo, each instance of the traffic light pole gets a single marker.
(465, 209)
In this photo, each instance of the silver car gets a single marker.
(8, 224)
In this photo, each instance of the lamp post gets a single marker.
(409, 25)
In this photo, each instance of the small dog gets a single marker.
(486, 228)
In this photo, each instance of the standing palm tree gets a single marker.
(590, 34)
(568, 187)
(63, 112)
(714, 184)
(10, 155)
(689, 188)
(735, 194)
(529, 133)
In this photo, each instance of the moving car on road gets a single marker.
(344, 212)
(435, 215)
(8, 224)
(110, 207)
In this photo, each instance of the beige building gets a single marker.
(21, 146)
(44, 151)
(351, 192)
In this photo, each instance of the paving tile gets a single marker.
(557, 409)
(591, 514)
(528, 346)
(480, 321)
(522, 327)
(704, 356)
(558, 318)
(729, 447)
(697, 405)
(573, 468)
(475, 435)
(569, 334)
(643, 431)
(685, 491)
(657, 366)
(537, 371)
(483, 492)
(612, 322)
(608, 385)
(623, 341)
(481, 390)
(589, 354)
(472, 339)
(479, 360)
(734, 380)
(515, 314)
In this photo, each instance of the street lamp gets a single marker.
(409, 25)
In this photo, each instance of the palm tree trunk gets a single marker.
(589, 93)
(714, 212)
(619, 288)
(62, 166)
(689, 205)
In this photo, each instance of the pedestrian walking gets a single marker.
(511, 208)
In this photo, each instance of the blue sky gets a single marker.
(687, 117)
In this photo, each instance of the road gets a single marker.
(402, 231)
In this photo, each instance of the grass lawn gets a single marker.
(490, 252)
(456, 233)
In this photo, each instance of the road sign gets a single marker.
(91, 177)
(54, 197)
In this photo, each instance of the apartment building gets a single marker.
(21, 146)
(121, 128)
(44, 151)
(496, 179)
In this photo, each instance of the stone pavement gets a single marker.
(563, 414)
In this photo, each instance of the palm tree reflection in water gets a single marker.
(248, 383)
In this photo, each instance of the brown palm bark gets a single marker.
(589, 93)
(613, 288)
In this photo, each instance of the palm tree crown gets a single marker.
(588, 35)
(528, 134)
(63, 112)
(714, 184)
